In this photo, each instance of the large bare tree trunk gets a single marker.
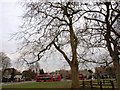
(110, 40)
(117, 72)
(75, 79)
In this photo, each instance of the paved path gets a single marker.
(9, 83)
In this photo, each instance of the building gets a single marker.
(105, 72)
(65, 74)
(8, 74)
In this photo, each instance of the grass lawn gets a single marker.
(59, 84)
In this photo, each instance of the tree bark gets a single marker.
(109, 40)
(75, 79)
(117, 71)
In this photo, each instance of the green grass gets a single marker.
(62, 84)
(59, 84)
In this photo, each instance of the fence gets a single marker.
(98, 85)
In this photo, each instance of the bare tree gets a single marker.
(5, 61)
(49, 27)
(104, 17)
(59, 27)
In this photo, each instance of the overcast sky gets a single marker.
(10, 20)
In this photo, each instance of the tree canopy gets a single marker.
(74, 30)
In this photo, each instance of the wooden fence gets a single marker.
(98, 85)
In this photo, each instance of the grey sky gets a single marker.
(10, 14)
(10, 20)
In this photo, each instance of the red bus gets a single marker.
(47, 77)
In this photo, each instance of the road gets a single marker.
(9, 83)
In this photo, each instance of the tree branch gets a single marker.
(118, 15)
(94, 19)
(63, 53)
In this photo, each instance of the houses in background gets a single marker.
(11, 74)
(66, 74)
(83, 74)
(105, 72)
(100, 73)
